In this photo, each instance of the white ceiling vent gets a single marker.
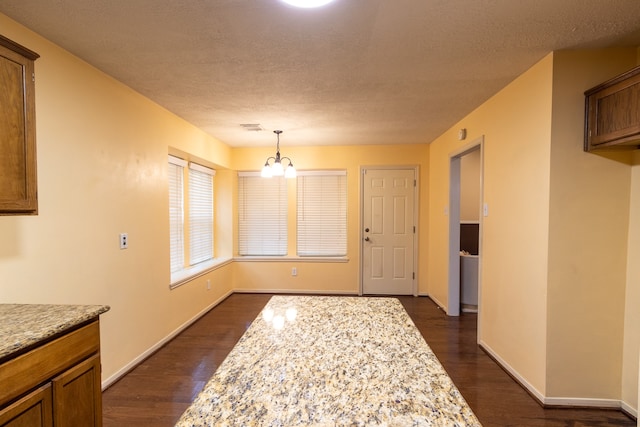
(252, 127)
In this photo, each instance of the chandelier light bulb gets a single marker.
(276, 169)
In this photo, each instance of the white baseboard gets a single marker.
(523, 382)
(129, 366)
(293, 291)
(582, 402)
(629, 409)
(441, 305)
(559, 401)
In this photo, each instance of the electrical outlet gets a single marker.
(124, 241)
(208, 284)
(294, 271)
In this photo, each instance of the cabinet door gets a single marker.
(33, 410)
(18, 189)
(613, 113)
(77, 395)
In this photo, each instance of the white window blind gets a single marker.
(176, 212)
(322, 213)
(262, 215)
(200, 213)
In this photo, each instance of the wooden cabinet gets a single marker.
(78, 396)
(33, 410)
(612, 111)
(18, 185)
(55, 384)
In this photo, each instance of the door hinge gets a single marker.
(33, 77)
(414, 276)
(414, 229)
(415, 182)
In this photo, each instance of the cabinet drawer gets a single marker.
(28, 370)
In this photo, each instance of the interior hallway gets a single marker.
(157, 391)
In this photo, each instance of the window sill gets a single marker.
(183, 276)
(337, 259)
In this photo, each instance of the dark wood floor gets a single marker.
(157, 391)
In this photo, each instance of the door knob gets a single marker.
(366, 239)
(366, 229)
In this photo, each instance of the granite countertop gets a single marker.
(23, 325)
(330, 361)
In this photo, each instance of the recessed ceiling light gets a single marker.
(307, 3)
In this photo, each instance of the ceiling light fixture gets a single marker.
(276, 169)
(307, 3)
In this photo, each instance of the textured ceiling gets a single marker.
(353, 72)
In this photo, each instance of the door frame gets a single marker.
(416, 220)
(453, 300)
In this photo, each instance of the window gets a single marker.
(322, 213)
(262, 215)
(195, 229)
(176, 212)
(200, 213)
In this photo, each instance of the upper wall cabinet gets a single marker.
(613, 113)
(18, 185)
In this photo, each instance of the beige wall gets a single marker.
(470, 186)
(516, 124)
(588, 229)
(102, 162)
(632, 297)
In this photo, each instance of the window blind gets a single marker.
(200, 213)
(262, 215)
(176, 213)
(322, 213)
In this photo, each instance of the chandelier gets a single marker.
(276, 168)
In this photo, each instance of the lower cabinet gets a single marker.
(57, 384)
(33, 410)
(77, 396)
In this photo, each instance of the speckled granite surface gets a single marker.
(22, 325)
(330, 361)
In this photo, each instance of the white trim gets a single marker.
(523, 382)
(183, 276)
(581, 402)
(177, 161)
(629, 409)
(289, 259)
(203, 169)
(293, 291)
(438, 303)
(136, 361)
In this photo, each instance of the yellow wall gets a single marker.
(588, 229)
(470, 186)
(337, 276)
(516, 124)
(632, 298)
(102, 162)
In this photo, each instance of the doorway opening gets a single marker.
(465, 229)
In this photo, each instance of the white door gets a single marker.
(388, 231)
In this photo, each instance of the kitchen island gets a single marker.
(330, 361)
